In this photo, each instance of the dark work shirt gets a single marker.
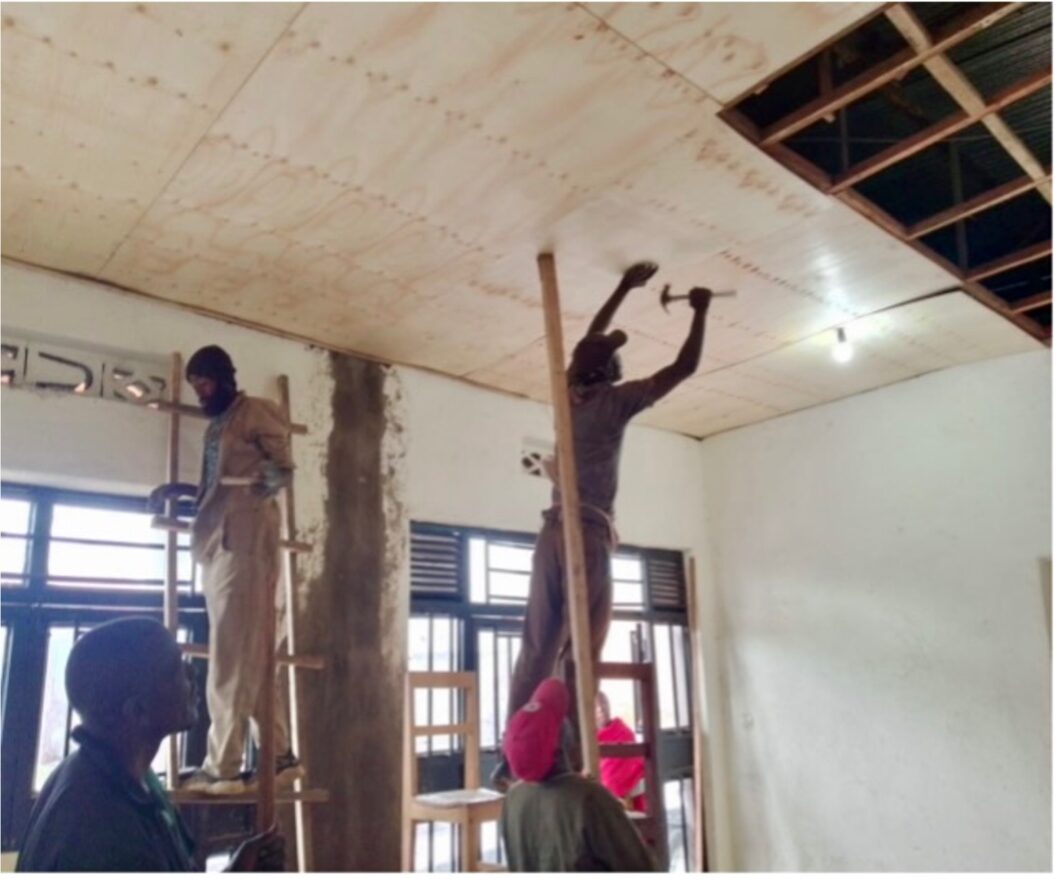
(92, 816)
(568, 823)
(599, 415)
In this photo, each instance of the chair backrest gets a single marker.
(466, 685)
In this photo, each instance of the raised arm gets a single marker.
(669, 377)
(636, 276)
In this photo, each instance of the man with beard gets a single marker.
(235, 537)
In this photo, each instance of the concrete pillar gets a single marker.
(356, 615)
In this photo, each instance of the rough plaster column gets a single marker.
(356, 616)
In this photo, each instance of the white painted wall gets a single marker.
(452, 449)
(886, 656)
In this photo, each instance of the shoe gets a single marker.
(202, 781)
(501, 777)
(289, 769)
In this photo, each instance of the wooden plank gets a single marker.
(577, 586)
(940, 131)
(296, 660)
(198, 798)
(623, 671)
(169, 599)
(982, 202)
(950, 77)
(443, 729)
(1030, 303)
(1011, 261)
(699, 782)
(895, 67)
(196, 412)
(303, 827)
(420, 680)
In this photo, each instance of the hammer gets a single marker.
(665, 298)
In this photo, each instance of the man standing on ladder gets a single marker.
(235, 537)
(601, 408)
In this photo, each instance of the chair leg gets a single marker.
(408, 846)
(469, 845)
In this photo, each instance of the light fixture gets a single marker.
(843, 350)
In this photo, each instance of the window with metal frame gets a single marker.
(71, 560)
(481, 578)
(678, 802)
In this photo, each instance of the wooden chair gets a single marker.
(469, 807)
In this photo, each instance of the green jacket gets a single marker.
(568, 823)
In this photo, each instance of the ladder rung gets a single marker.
(299, 660)
(196, 412)
(180, 526)
(620, 671)
(198, 798)
(442, 730)
(441, 680)
(635, 749)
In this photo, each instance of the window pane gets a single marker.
(509, 588)
(443, 847)
(93, 523)
(13, 553)
(14, 520)
(621, 697)
(674, 801)
(664, 677)
(476, 560)
(419, 643)
(422, 863)
(510, 558)
(51, 740)
(680, 636)
(96, 565)
(487, 694)
(628, 594)
(620, 640)
(627, 567)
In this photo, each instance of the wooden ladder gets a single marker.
(266, 797)
(652, 823)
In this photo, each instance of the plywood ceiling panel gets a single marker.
(728, 48)
(379, 178)
(102, 103)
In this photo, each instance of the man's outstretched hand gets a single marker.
(638, 275)
(264, 853)
(699, 298)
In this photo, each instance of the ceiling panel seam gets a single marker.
(206, 131)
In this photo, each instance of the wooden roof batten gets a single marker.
(950, 77)
(927, 51)
(941, 130)
(895, 67)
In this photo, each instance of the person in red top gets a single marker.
(623, 776)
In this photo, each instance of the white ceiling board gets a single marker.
(728, 48)
(102, 103)
(892, 346)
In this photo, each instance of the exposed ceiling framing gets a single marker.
(929, 49)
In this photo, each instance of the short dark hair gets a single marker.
(113, 662)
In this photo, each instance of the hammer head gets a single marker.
(665, 298)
